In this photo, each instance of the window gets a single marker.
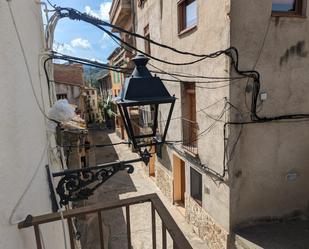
(196, 186)
(187, 15)
(62, 96)
(189, 124)
(140, 3)
(159, 150)
(288, 7)
(147, 43)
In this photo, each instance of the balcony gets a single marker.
(120, 13)
(156, 208)
(190, 136)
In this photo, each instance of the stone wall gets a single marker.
(164, 181)
(205, 226)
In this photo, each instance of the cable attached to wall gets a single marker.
(11, 221)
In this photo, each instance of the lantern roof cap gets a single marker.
(141, 86)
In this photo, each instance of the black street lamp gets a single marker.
(139, 104)
(140, 101)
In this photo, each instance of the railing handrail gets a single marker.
(51, 217)
(169, 223)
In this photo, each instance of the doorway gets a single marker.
(179, 181)
(152, 162)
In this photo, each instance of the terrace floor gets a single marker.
(291, 234)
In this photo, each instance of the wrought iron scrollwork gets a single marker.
(78, 184)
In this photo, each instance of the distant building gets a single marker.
(93, 105)
(69, 84)
(106, 85)
(119, 58)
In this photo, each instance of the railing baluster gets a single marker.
(163, 236)
(157, 209)
(128, 226)
(101, 229)
(154, 230)
(37, 237)
(71, 233)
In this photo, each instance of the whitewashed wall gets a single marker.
(22, 129)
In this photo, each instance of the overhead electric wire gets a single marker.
(93, 145)
(200, 110)
(161, 71)
(126, 70)
(206, 82)
(258, 57)
(90, 19)
(231, 52)
(77, 15)
(52, 5)
(207, 130)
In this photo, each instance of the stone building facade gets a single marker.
(122, 16)
(224, 175)
(69, 84)
(93, 105)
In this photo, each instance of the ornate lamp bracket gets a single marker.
(78, 184)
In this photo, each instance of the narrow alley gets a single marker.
(124, 185)
(154, 124)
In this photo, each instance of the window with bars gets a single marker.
(62, 96)
(147, 43)
(196, 186)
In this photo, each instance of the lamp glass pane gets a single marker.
(163, 112)
(142, 120)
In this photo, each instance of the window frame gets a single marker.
(140, 3)
(147, 45)
(181, 13)
(301, 6)
(60, 96)
(198, 201)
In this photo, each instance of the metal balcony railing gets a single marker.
(168, 223)
(189, 136)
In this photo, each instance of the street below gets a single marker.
(124, 185)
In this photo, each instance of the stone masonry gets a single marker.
(205, 226)
(164, 181)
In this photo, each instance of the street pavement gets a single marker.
(121, 186)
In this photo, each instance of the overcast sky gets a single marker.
(81, 39)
